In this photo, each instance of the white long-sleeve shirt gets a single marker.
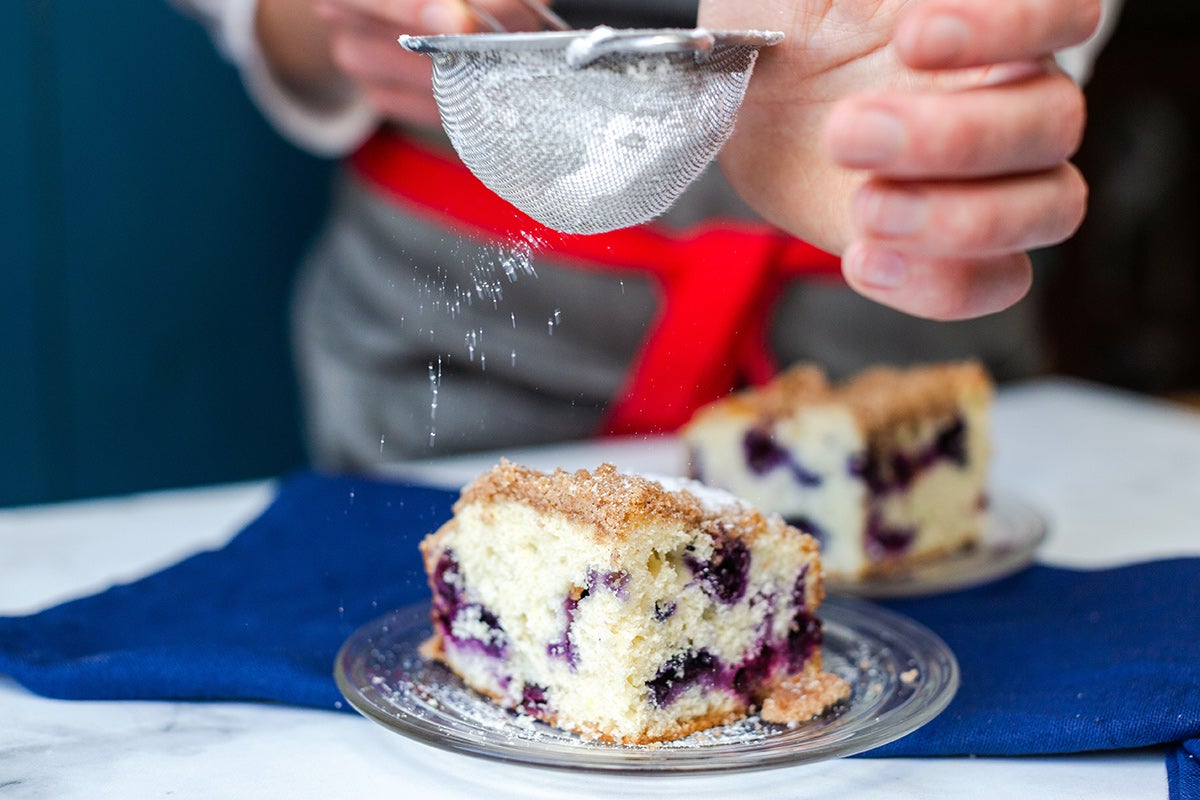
(321, 130)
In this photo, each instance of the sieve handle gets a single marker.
(484, 16)
(604, 41)
(547, 16)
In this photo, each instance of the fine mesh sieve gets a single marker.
(590, 131)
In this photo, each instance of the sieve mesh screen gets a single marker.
(590, 148)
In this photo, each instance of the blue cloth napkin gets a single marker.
(1053, 660)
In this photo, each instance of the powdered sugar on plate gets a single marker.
(901, 676)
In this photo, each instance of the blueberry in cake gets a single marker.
(886, 469)
(626, 608)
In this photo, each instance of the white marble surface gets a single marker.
(1116, 475)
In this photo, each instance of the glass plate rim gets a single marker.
(1005, 508)
(931, 691)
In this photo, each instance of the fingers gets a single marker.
(393, 81)
(938, 289)
(955, 251)
(942, 34)
(944, 133)
(1032, 124)
(958, 183)
(972, 219)
(407, 16)
(363, 47)
(433, 17)
(372, 56)
(513, 15)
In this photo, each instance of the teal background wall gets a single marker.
(150, 226)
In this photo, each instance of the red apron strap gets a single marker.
(715, 285)
(719, 280)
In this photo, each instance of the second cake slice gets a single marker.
(887, 469)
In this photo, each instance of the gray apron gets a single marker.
(411, 341)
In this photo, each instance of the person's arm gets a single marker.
(297, 46)
(327, 72)
(926, 142)
(328, 122)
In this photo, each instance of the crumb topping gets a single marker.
(881, 397)
(612, 502)
(878, 397)
(802, 384)
(803, 697)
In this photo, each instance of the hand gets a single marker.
(329, 48)
(927, 142)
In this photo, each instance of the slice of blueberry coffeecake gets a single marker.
(886, 469)
(627, 608)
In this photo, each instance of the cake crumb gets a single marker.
(804, 697)
(909, 675)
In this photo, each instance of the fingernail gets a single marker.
(875, 139)
(440, 18)
(943, 37)
(890, 213)
(878, 269)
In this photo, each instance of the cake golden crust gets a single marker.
(611, 502)
(803, 384)
(881, 397)
(878, 398)
(677, 731)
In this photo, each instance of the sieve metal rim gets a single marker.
(632, 41)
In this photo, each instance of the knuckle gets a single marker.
(971, 288)
(1023, 17)
(1090, 12)
(1062, 210)
(948, 143)
(948, 298)
(949, 311)
(344, 54)
(960, 146)
(970, 227)
(1076, 201)
(1070, 118)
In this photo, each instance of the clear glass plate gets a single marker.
(901, 676)
(1011, 537)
